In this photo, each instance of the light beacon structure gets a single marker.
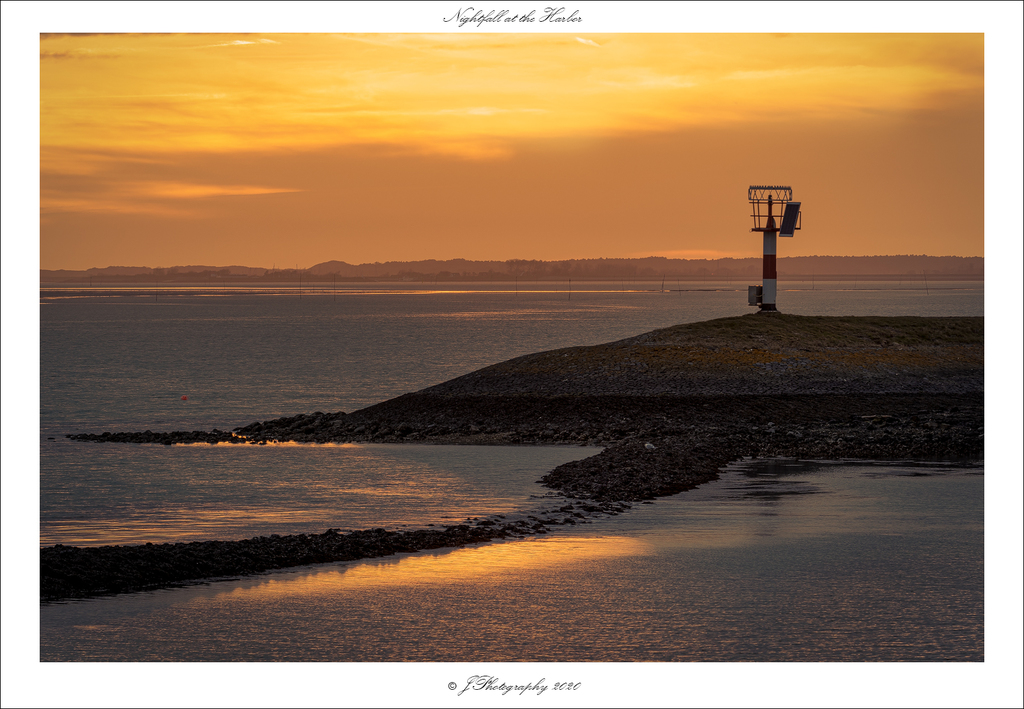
(763, 200)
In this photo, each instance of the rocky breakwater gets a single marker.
(673, 406)
(842, 386)
(77, 572)
(752, 370)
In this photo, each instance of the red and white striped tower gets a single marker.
(768, 276)
(768, 196)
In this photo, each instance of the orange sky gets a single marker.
(158, 150)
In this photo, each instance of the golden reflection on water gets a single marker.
(183, 525)
(241, 442)
(485, 563)
(348, 486)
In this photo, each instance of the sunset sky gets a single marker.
(401, 137)
(293, 149)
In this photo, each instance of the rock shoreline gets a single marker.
(672, 406)
(78, 572)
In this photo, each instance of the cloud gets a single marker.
(474, 111)
(78, 54)
(446, 93)
(157, 197)
(240, 42)
(58, 35)
(190, 97)
(188, 190)
(709, 254)
(641, 79)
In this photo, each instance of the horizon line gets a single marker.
(508, 260)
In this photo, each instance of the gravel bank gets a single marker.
(77, 572)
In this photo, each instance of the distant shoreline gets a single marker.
(648, 269)
(648, 282)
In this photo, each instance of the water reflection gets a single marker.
(792, 500)
(489, 563)
(873, 567)
(124, 494)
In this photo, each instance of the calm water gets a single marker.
(113, 363)
(123, 362)
(775, 561)
(154, 493)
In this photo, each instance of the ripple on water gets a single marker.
(870, 567)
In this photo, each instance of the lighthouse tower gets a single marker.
(764, 200)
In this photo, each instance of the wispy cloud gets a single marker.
(78, 54)
(189, 97)
(709, 254)
(443, 93)
(639, 79)
(242, 42)
(188, 190)
(165, 198)
(478, 111)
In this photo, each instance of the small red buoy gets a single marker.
(184, 398)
